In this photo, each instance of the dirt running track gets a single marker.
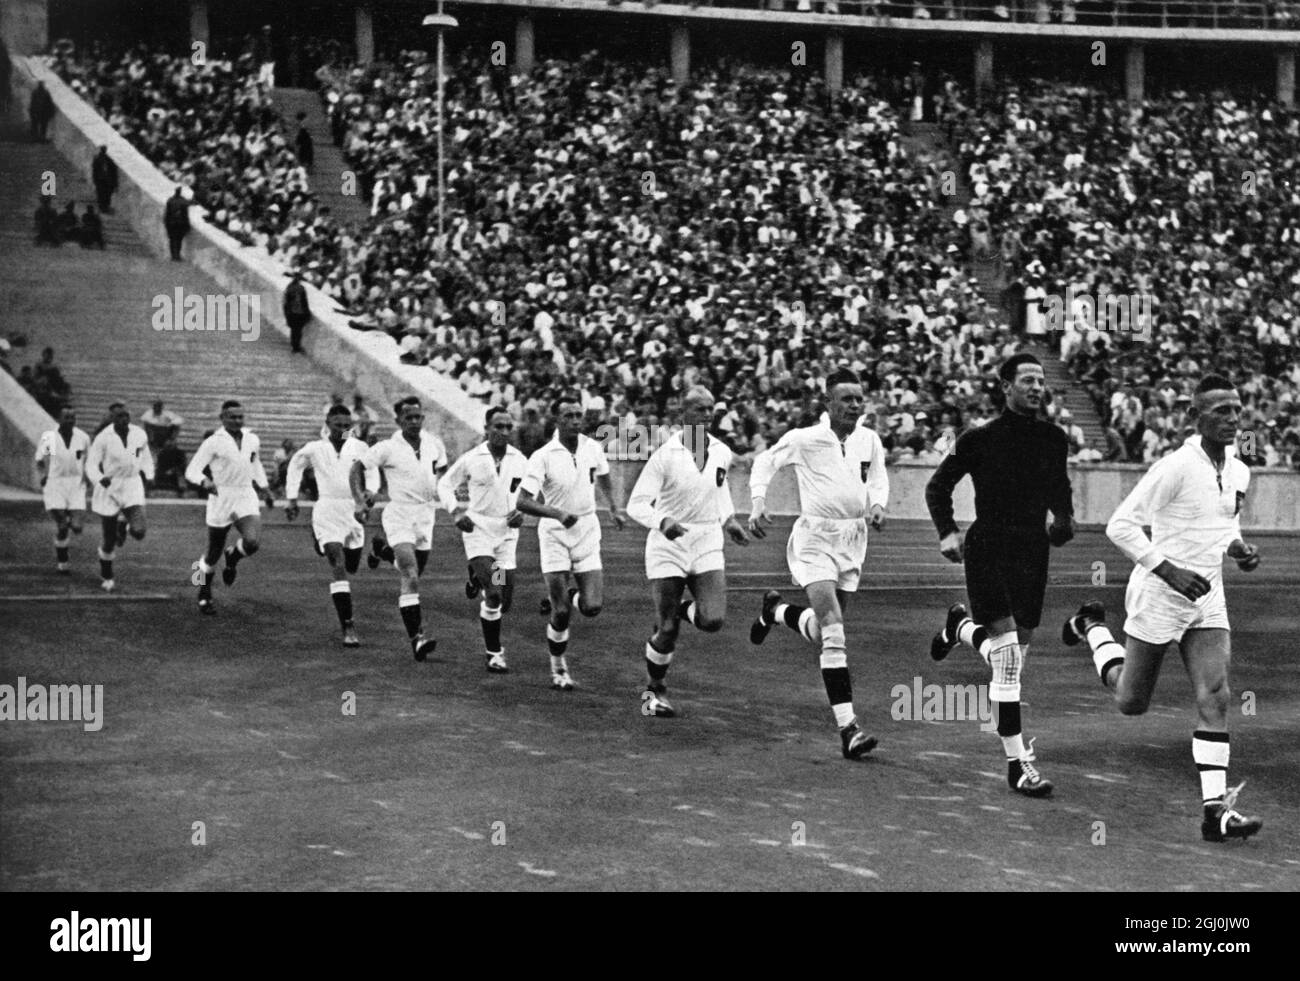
(449, 778)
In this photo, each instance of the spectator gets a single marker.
(176, 222)
(47, 223)
(303, 144)
(40, 112)
(297, 312)
(169, 466)
(103, 173)
(68, 227)
(160, 424)
(91, 233)
(363, 420)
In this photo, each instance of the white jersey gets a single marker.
(1193, 510)
(493, 487)
(412, 477)
(567, 480)
(111, 457)
(671, 485)
(64, 461)
(837, 478)
(233, 465)
(333, 468)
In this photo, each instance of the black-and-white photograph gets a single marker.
(628, 446)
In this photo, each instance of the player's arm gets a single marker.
(645, 494)
(43, 453)
(293, 482)
(731, 526)
(1155, 490)
(606, 486)
(95, 464)
(938, 498)
(201, 459)
(1246, 556)
(529, 501)
(1059, 498)
(765, 466)
(877, 483)
(145, 459)
(259, 476)
(448, 484)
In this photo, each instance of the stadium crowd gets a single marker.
(611, 231)
(1193, 202)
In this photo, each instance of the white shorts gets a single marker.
(491, 536)
(574, 549)
(108, 502)
(1158, 615)
(827, 550)
(333, 520)
(64, 494)
(409, 524)
(231, 504)
(699, 550)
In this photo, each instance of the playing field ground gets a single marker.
(449, 778)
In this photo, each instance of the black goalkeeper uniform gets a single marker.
(1017, 466)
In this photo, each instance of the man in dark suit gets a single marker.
(296, 311)
(103, 172)
(176, 220)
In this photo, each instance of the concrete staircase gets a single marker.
(926, 138)
(96, 310)
(326, 176)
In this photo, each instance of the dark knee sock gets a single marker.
(341, 594)
(352, 559)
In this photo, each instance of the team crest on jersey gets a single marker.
(514, 484)
(80, 454)
(593, 474)
(1241, 496)
(722, 475)
(864, 465)
(252, 456)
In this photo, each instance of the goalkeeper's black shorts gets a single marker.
(1006, 573)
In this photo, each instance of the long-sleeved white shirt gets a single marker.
(234, 465)
(1193, 510)
(110, 457)
(412, 478)
(837, 479)
(333, 468)
(671, 485)
(493, 488)
(63, 461)
(567, 480)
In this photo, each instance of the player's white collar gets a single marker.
(1229, 451)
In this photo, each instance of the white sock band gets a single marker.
(656, 657)
(408, 599)
(558, 636)
(809, 627)
(489, 612)
(1005, 660)
(342, 586)
(1105, 649)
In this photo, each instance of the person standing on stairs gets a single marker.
(297, 312)
(304, 145)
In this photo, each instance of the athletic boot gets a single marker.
(350, 638)
(946, 639)
(758, 630)
(1222, 822)
(654, 701)
(422, 647)
(855, 743)
(1023, 777)
(1075, 628)
(496, 662)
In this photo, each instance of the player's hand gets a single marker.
(569, 520)
(516, 518)
(735, 530)
(1060, 531)
(877, 517)
(1246, 556)
(671, 529)
(369, 498)
(759, 521)
(464, 523)
(270, 499)
(105, 481)
(291, 510)
(209, 486)
(618, 517)
(1186, 583)
(951, 547)
(43, 479)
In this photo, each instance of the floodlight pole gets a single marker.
(442, 22)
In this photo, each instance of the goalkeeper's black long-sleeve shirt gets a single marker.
(1017, 466)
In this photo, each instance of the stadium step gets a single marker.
(1065, 389)
(96, 310)
(326, 176)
